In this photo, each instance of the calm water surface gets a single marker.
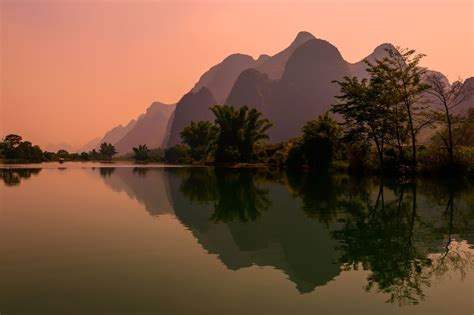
(117, 239)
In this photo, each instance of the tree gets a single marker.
(107, 150)
(10, 143)
(319, 141)
(199, 136)
(177, 154)
(239, 131)
(28, 152)
(402, 77)
(367, 112)
(445, 98)
(141, 153)
(84, 156)
(13, 140)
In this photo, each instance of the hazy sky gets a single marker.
(72, 69)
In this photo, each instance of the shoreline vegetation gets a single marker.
(373, 129)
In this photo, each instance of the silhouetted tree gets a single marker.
(107, 150)
(141, 153)
(400, 75)
(319, 142)
(199, 136)
(177, 154)
(239, 131)
(446, 98)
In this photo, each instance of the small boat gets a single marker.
(61, 160)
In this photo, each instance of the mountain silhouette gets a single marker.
(115, 134)
(289, 88)
(221, 77)
(150, 129)
(194, 106)
(275, 65)
(304, 91)
(468, 97)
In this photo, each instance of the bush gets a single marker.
(178, 154)
(295, 158)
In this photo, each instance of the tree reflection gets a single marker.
(240, 198)
(391, 239)
(199, 185)
(141, 171)
(13, 177)
(235, 193)
(106, 171)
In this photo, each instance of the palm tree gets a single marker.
(107, 150)
(142, 153)
(199, 136)
(239, 131)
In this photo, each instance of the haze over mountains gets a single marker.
(289, 88)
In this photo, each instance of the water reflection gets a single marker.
(391, 229)
(313, 228)
(13, 177)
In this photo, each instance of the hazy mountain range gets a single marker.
(289, 88)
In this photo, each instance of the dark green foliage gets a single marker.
(107, 150)
(12, 140)
(141, 153)
(178, 154)
(319, 142)
(199, 136)
(239, 131)
(358, 155)
(13, 148)
(295, 158)
(84, 156)
(28, 152)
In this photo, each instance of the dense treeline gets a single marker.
(13, 149)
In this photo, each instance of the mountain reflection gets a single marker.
(312, 227)
(405, 235)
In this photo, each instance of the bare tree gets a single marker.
(446, 97)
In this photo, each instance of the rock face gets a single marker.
(275, 65)
(221, 77)
(252, 89)
(149, 129)
(304, 91)
(92, 144)
(193, 106)
(306, 88)
(468, 97)
(115, 134)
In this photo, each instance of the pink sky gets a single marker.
(72, 69)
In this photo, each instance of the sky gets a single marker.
(72, 69)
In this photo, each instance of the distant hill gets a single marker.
(275, 66)
(117, 133)
(89, 146)
(54, 147)
(221, 77)
(149, 129)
